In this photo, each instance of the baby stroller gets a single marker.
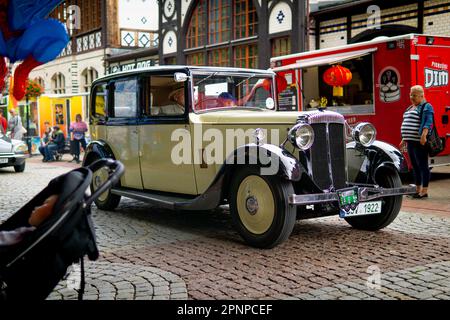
(32, 269)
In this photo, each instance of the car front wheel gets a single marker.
(390, 206)
(20, 168)
(260, 209)
(106, 201)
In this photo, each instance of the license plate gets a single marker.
(4, 161)
(348, 199)
(363, 209)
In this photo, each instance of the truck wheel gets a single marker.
(20, 168)
(107, 200)
(390, 206)
(260, 209)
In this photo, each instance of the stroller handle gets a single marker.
(116, 170)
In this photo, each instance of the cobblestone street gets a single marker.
(148, 253)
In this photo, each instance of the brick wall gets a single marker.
(437, 17)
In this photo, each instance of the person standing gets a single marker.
(417, 123)
(15, 125)
(78, 131)
(3, 123)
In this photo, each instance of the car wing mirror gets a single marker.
(180, 77)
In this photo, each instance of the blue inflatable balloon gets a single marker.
(28, 35)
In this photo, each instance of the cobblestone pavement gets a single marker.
(149, 253)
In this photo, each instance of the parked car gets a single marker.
(271, 168)
(12, 153)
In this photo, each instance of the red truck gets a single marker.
(382, 71)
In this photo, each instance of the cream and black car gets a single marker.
(195, 138)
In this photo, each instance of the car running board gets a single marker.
(206, 201)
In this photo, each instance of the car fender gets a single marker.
(272, 159)
(99, 149)
(379, 156)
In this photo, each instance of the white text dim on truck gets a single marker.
(382, 71)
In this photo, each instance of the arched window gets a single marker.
(87, 77)
(216, 23)
(58, 83)
(40, 82)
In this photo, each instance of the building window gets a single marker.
(219, 58)
(88, 76)
(59, 84)
(245, 19)
(281, 46)
(246, 56)
(197, 27)
(219, 21)
(196, 59)
(170, 61)
(40, 82)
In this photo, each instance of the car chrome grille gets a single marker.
(327, 157)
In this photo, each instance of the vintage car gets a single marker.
(184, 148)
(12, 153)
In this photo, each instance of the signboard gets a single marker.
(287, 100)
(129, 66)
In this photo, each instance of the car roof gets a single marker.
(186, 68)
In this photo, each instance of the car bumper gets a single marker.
(11, 160)
(365, 194)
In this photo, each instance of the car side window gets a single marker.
(125, 98)
(100, 102)
(162, 96)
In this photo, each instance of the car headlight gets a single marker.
(302, 136)
(21, 148)
(365, 134)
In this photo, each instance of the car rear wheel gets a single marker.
(260, 209)
(390, 206)
(107, 200)
(20, 168)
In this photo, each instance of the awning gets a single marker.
(325, 60)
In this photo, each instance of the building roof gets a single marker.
(134, 54)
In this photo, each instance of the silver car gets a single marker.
(12, 153)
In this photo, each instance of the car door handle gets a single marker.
(447, 109)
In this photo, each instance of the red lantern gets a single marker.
(337, 76)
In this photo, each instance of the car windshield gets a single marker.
(229, 91)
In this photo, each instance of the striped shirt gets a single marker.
(411, 125)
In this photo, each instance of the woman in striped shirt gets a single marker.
(414, 135)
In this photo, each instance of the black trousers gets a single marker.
(75, 147)
(419, 160)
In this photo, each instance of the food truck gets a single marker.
(371, 81)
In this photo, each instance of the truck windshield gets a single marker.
(229, 91)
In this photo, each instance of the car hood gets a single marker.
(245, 117)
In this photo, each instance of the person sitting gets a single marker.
(177, 107)
(226, 100)
(56, 143)
(38, 216)
(45, 138)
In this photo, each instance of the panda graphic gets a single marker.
(389, 86)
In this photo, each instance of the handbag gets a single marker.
(434, 144)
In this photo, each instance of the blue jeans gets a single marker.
(42, 150)
(419, 160)
(49, 151)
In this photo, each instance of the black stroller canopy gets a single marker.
(33, 268)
